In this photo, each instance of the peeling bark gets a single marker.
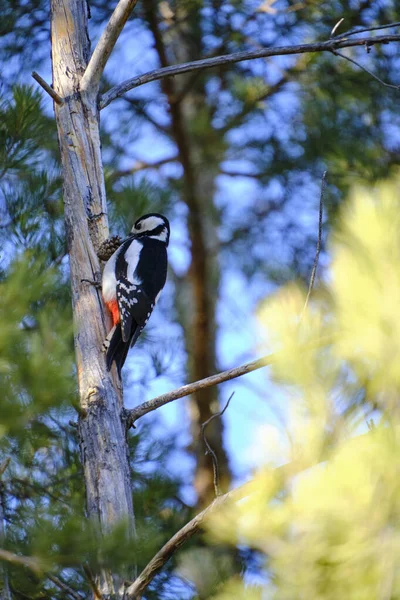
(102, 432)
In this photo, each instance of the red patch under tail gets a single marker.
(114, 310)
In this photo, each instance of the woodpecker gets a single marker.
(132, 282)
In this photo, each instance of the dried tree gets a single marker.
(102, 420)
(101, 429)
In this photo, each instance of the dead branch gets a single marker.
(282, 474)
(328, 46)
(360, 66)
(362, 29)
(134, 414)
(92, 582)
(210, 451)
(47, 88)
(26, 561)
(35, 565)
(106, 43)
(141, 165)
(184, 534)
(64, 587)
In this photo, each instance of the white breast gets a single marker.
(109, 284)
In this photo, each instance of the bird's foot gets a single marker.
(96, 282)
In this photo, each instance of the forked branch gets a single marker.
(330, 45)
(105, 45)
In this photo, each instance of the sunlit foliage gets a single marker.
(328, 522)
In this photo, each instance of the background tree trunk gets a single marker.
(197, 295)
(102, 432)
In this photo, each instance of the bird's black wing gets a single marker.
(136, 299)
(139, 283)
(135, 308)
(152, 268)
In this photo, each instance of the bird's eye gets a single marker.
(138, 226)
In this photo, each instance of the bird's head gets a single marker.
(152, 225)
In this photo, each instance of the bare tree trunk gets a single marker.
(102, 432)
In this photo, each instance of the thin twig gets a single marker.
(140, 165)
(361, 29)
(190, 388)
(319, 242)
(106, 43)
(6, 595)
(4, 465)
(354, 62)
(64, 586)
(90, 577)
(47, 88)
(210, 451)
(35, 565)
(335, 28)
(157, 74)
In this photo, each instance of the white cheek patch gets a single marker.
(150, 223)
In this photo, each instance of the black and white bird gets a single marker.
(132, 282)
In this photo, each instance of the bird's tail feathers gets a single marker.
(117, 350)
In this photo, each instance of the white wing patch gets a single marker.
(132, 256)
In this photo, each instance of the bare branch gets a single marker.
(354, 62)
(327, 46)
(319, 240)
(141, 165)
(47, 88)
(37, 566)
(361, 29)
(63, 586)
(158, 561)
(92, 582)
(26, 561)
(282, 473)
(4, 465)
(134, 414)
(106, 43)
(6, 594)
(209, 450)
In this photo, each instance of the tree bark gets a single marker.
(102, 431)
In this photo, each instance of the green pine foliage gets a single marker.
(282, 122)
(42, 488)
(327, 523)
